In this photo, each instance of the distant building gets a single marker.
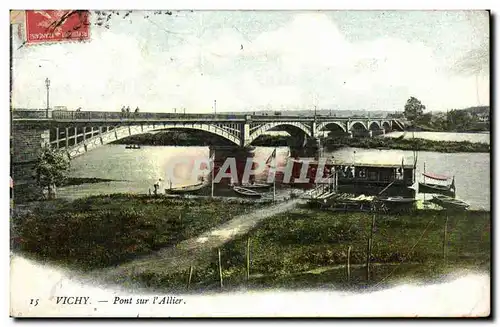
(61, 108)
(484, 117)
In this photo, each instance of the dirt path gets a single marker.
(195, 250)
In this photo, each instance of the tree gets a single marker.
(425, 119)
(414, 109)
(50, 170)
(460, 120)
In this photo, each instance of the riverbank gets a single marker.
(401, 143)
(302, 248)
(29, 191)
(102, 231)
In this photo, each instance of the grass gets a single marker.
(307, 248)
(303, 248)
(102, 231)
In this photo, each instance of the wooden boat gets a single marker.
(186, 189)
(133, 146)
(256, 186)
(449, 202)
(433, 188)
(436, 177)
(398, 200)
(246, 192)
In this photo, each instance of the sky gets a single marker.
(255, 60)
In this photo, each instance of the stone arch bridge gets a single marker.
(79, 132)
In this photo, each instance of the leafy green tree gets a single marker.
(460, 120)
(414, 109)
(425, 119)
(50, 170)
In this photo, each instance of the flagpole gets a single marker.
(213, 171)
(424, 182)
(274, 177)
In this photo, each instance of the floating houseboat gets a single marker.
(377, 179)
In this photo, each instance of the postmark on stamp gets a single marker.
(56, 26)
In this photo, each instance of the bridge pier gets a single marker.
(378, 132)
(67, 137)
(360, 133)
(245, 138)
(27, 142)
(312, 147)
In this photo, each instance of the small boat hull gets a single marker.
(186, 189)
(450, 203)
(257, 186)
(435, 189)
(399, 200)
(246, 192)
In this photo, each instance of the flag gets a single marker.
(271, 157)
(212, 161)
(402, 165)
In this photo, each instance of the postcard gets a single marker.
(195, 163)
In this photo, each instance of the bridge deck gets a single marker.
(97, 116)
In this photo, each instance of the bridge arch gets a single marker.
(386, 126)
(290, 127)
(330, 126)
(358, 125)
(374, 126)
(130, 130)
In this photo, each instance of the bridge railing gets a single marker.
(31, 114)
(107, 115)
(118, 115)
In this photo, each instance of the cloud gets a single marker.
(306, 62)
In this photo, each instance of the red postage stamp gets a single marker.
(57, 26)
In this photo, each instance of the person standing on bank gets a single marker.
(157, 186)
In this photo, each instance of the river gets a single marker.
(137, 170)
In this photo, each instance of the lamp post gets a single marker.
(215, 108)
(47, 84)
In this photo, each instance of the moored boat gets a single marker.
(133, 146)
(256, 186)
(434, 188)
(449, 202)
(186, 189)
(398, 200)
(246, 192)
